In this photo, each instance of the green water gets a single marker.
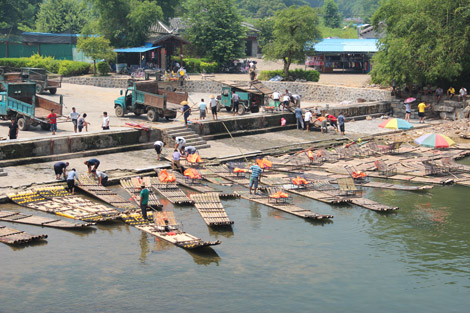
(415, 260)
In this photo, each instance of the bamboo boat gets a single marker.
(171, 191)
(15, 217)
(380, 185)
(211, 209)
(14, 237)
(132, 186)
(166, 228)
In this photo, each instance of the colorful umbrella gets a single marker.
(435, 141)
(409, 100)
(396, 123)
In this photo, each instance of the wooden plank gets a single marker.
(14, 237)
(15, 217)
(170, 191)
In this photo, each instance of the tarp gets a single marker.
(346, 46)
(135, 49)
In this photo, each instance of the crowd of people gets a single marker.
(70, 176)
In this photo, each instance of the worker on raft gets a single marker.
(101, 176)
(71, 181)
(60, 169)
(176, 161)
(189, 150)
(92, 163)
(180, 142)
(144, 200)
(255, 176)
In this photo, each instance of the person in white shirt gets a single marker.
(463, 94)
(213, 103)
(296, 100)
(202, 110)
(285, 102)
(276, 96)
(307, 119)
(74, 115)
(105, 124)
(158, 146)
(180, 142)
(101, 176)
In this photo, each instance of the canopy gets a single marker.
(435, 141)
(135, 49)
(396, 123)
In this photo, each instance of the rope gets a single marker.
(230, 134)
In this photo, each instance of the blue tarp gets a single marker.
(346, 46)
(136, 49)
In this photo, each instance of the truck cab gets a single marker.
(3, 103)
(249, 101)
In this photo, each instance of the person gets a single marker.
(450, 92)
(82, 123)
(176, 161)
(71, 180)
(439, 93)
(317, 112)
(202, 110)
(333, 121)
(102, 177)
(13, 130)
(189, 150)
(428, 90)
(158, 146)
(298, 117)
(285, 102)
(307, 119)
(341, 122)
(462, 94)
(60, 169)
(74, 115)
(255, 176)
(236, 102)
(407, 112)
(252, 73)
(105, 124)
(421, 110)
(92, 162)
(276, 96)
(324, 124)
(296, 100)
(394, 88)
(144, 200)
(186, 112)
(52, 117)
(213, 103)
(179, 143)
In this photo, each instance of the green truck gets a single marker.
(252, 97)
(145, 97)
(19, 101)
(43, 80)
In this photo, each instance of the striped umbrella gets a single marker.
(435, 141)
(396, 123)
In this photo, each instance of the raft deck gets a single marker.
(171, 191)
(211, 209)
(14, 237)
(15, 217)
(132, 186)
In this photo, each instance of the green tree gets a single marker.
(215, 29)
(266, 28)
(56, 16)
(294, 27)
(331, 16)
(169, 7)
(97, 48)
(426, 41)
(260, 8)
(18, 14)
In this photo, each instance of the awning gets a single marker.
(346, 46)
(136, 49)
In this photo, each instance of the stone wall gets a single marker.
(107, 82)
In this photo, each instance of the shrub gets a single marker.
(103, 68)
(194, 65)
(73, 68)
(211, 67)
(309, 75)
(64, 67)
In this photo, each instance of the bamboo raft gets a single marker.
(132, 186)
(170, 231)
(58, 201)
(211, 209)
(15, 217)
(15, 237)
(287, 207)
(372, 205)
(380, 185)
(90, 186)
(171, 191)
(320, 196)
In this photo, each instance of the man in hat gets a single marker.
(186, 112)
(213, 104)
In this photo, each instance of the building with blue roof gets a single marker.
(342, 55)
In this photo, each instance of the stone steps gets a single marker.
(192, 139)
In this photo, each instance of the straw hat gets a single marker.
(184, 102)
(212, 96)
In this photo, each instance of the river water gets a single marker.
(415, 260)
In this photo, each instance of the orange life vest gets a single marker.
(192, 173)
(310, 155)
(194, 158)
(358, 175)
(263, 163)
(299, 181)
(166, 177)
(240, 170)
(279, 195)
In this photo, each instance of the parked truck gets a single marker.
(252, 97)
(43, 80)
(146, 98)
(19, 101)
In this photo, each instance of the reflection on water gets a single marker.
(204, 256)
(221, 231)
(29, 245)
(144, 247)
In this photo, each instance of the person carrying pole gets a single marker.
(255, 177)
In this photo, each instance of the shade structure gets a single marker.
(435, 141)
(396, 123)
(409, 100)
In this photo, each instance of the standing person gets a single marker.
(213, 103)
(186, 112)
(255, 176)
(101, 176)
(324, 124)
(462, 94)
(298, 117)
(421, 110)
(13, 130)
(52, 117)
(333, 121)
(74, 115)
(158, 146)
(202, 110)
(92, 162)
(176, 161)
(236, 102)
(450, 92)
(71, 180)
(407, 112)
(82, 123)
(144, 200)
(252, 73)
(341, 122)
(317, 112)
(439, 93)
(296, 100)
(285, 102)
(307, 119)
(179, 143)
(276, 96)
(105, 124)
(60, 169)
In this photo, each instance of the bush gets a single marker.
(73, 68)
(103, 68)
(64, 67)
(309, 75)
(193, 65)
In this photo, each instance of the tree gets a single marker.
(260, 8)
(215, 29)
(266, 28)
(56, 16)
(18, 14)
(331, 15)
(169, 7)
(294, 28)
(426, 41)
(97, 48)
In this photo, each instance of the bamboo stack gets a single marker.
(170, 191)
(14, 237)
(132, 186)
(211, 209)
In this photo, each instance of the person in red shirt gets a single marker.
(333, 121)
(53, 121)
